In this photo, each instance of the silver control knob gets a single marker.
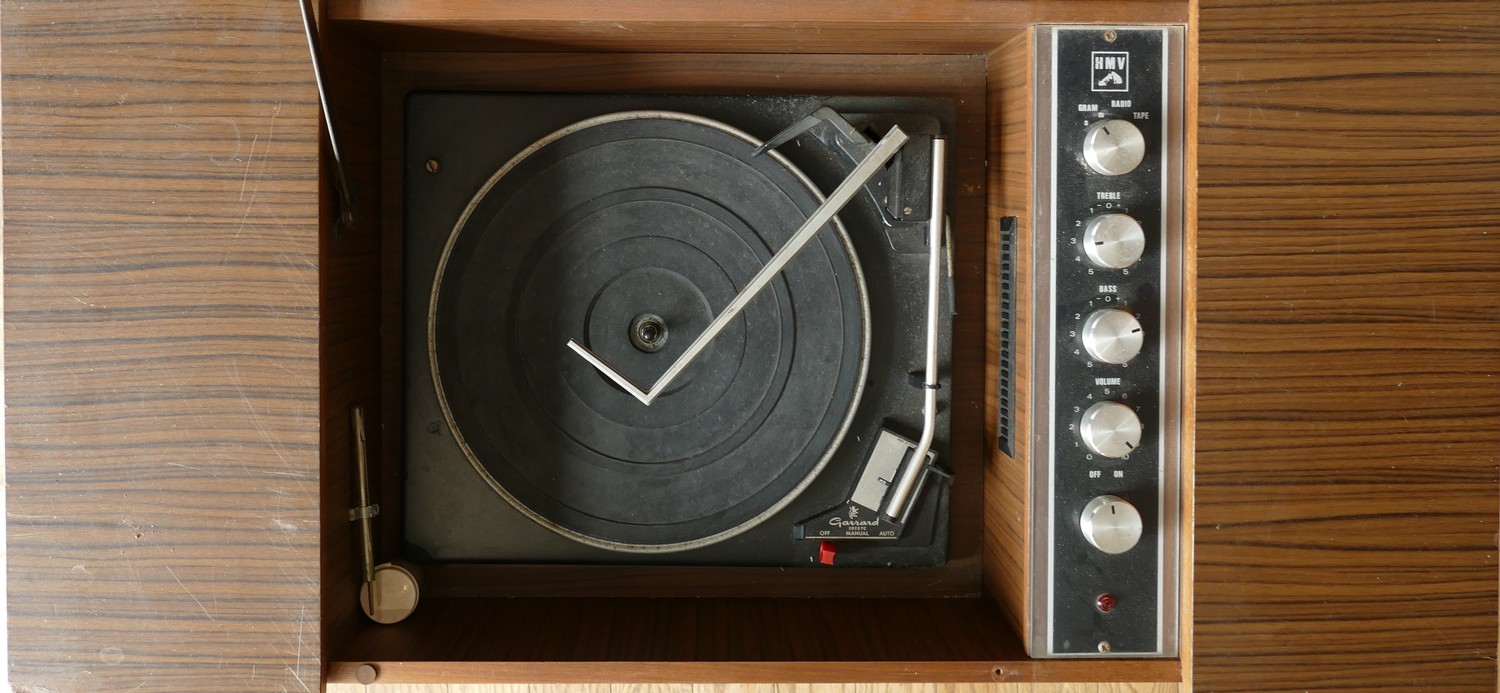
(1114, 241)
(1113, 147)
(1110, 429)
(1112, 336)
(1111, 524)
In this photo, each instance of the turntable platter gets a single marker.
(628, 233)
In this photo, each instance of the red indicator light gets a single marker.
(1105, 603)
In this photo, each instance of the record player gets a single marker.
(681, 330)
(676, 357)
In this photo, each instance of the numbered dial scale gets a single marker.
(1108, 324)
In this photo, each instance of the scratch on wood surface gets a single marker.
(210, 616)
(294, 475)
(297, 676)
(208, 470)
(260, 426)
(239, 141)
(249, 162)
(301, 621)
(260, 175)
(301, 379)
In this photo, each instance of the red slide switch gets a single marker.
(826, 551)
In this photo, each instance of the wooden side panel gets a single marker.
(161, 338)
(705, 641)
(762, 688)
(691, 26)
(349, 338)
(1007, 482)
(1188, 501)
(1348, 346)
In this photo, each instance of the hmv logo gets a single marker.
(1111, 71)
(1110, 62)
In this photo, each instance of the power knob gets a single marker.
(1110, 429)
(1113, 147)
(1111, 524)
(1111, 336)
(1114, 240)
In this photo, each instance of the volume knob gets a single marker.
(1114, 241)
(1111, 524)
(1113, 147)
(1110, 429)
(1112, 336)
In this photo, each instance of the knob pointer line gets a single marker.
(883, 151)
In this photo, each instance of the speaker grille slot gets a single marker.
(1007, 385)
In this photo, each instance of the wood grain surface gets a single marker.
(162, 266)
(1075, 687)
(350, 334)
(1007, 480)
(161, 338)
(714, 640)
(1349, 343)
(692, 26)
(652, 631)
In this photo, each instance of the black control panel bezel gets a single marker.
(1077, 574)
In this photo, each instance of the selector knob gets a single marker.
(1114, 240)
(1112, 336)
(1110, 429)
(1111, 524)
(1113, 147)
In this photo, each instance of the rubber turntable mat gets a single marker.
(627, 217)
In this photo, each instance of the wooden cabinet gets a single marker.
(184, 334)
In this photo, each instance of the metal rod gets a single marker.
(365, 512)
(340, 174)
(901, 495)
(884, 150)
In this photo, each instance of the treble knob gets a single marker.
(1114, 241)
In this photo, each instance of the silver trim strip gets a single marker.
(1173, 233)
(1043, 336)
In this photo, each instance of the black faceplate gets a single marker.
(1081, 573)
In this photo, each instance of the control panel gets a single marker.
(1106, 340)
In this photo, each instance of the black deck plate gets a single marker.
(452, 513)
